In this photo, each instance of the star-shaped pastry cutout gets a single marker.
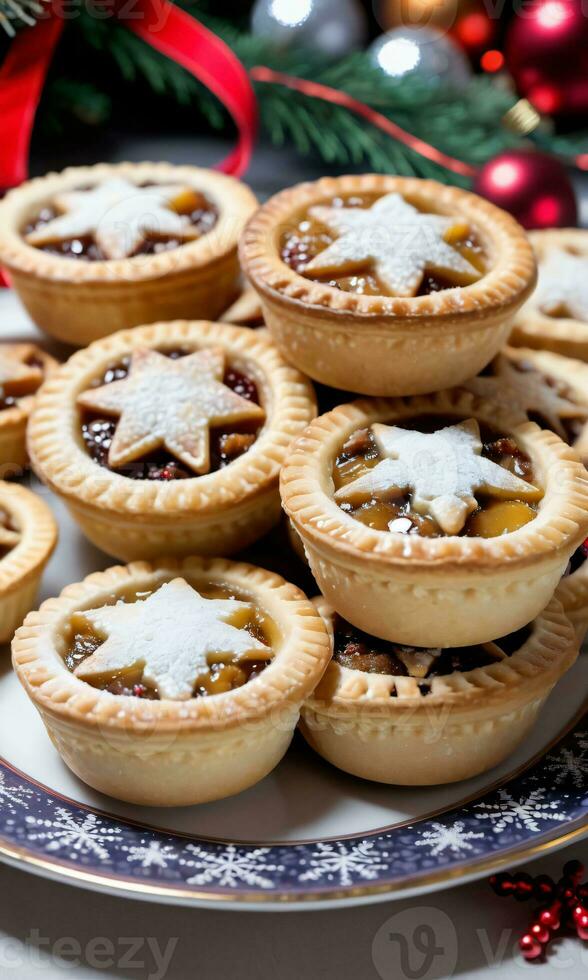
(171, 635)
(530, 392)
(443, 470)
(171, 403)
(119, 216)
(563, 286)
(398, 242)
(17, 377)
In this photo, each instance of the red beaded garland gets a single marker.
(569, 908)
(530, 947)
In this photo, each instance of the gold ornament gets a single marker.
(522, 118)
(419, 13)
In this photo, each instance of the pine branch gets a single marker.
(466, 125)
(15, 14)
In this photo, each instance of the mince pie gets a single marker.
(556, 316)
(551, 389)
(386, 285)
(95, 249)
(245, 311)
(28, 535)
(573, 591)
(23, 368)
(425, 518)
(412, 716)
(174, 683)
(168, 439)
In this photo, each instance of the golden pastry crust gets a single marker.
(173, 753)
(217, 513)
(573, 595)
(22, 567)
(434, 591)
(534, 328)
(246, 310)
(13, 421)
(570, 371)
(384, 345)
(468, 723)
(80, 301)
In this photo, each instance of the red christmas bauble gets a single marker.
(547, 55)
(533, 186)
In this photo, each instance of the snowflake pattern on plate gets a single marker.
(229, 866)
(453, 837)
(345, 863)
(546, 801)
(74, 834)
(150, 854)
(14, 796)
(526, 812)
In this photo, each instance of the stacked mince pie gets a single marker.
(440, 519)
(93, 250)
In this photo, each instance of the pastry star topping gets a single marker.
(17, 378)
(563, 286)
(529, 391)
(119, 215)
(399, 242)
(442, 469)
(171, 635)
(171, 403)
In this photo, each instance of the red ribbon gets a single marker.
(163, 26)
(21, 82)
(178, 36)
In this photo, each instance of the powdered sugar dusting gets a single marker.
(171, 634)
(118, 214)
(399, 241)
(171, 403)
(528, 391)
(563, 285)
(443, 469)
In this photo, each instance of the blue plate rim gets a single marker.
(542, 807)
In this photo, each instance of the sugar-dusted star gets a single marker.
(443, 470)
(119, 216)
(563, 286)
(529, 391)
(172, 635)
(17, 376)
(394, 239)
(171, 403)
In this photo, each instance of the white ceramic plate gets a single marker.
(306, 834)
